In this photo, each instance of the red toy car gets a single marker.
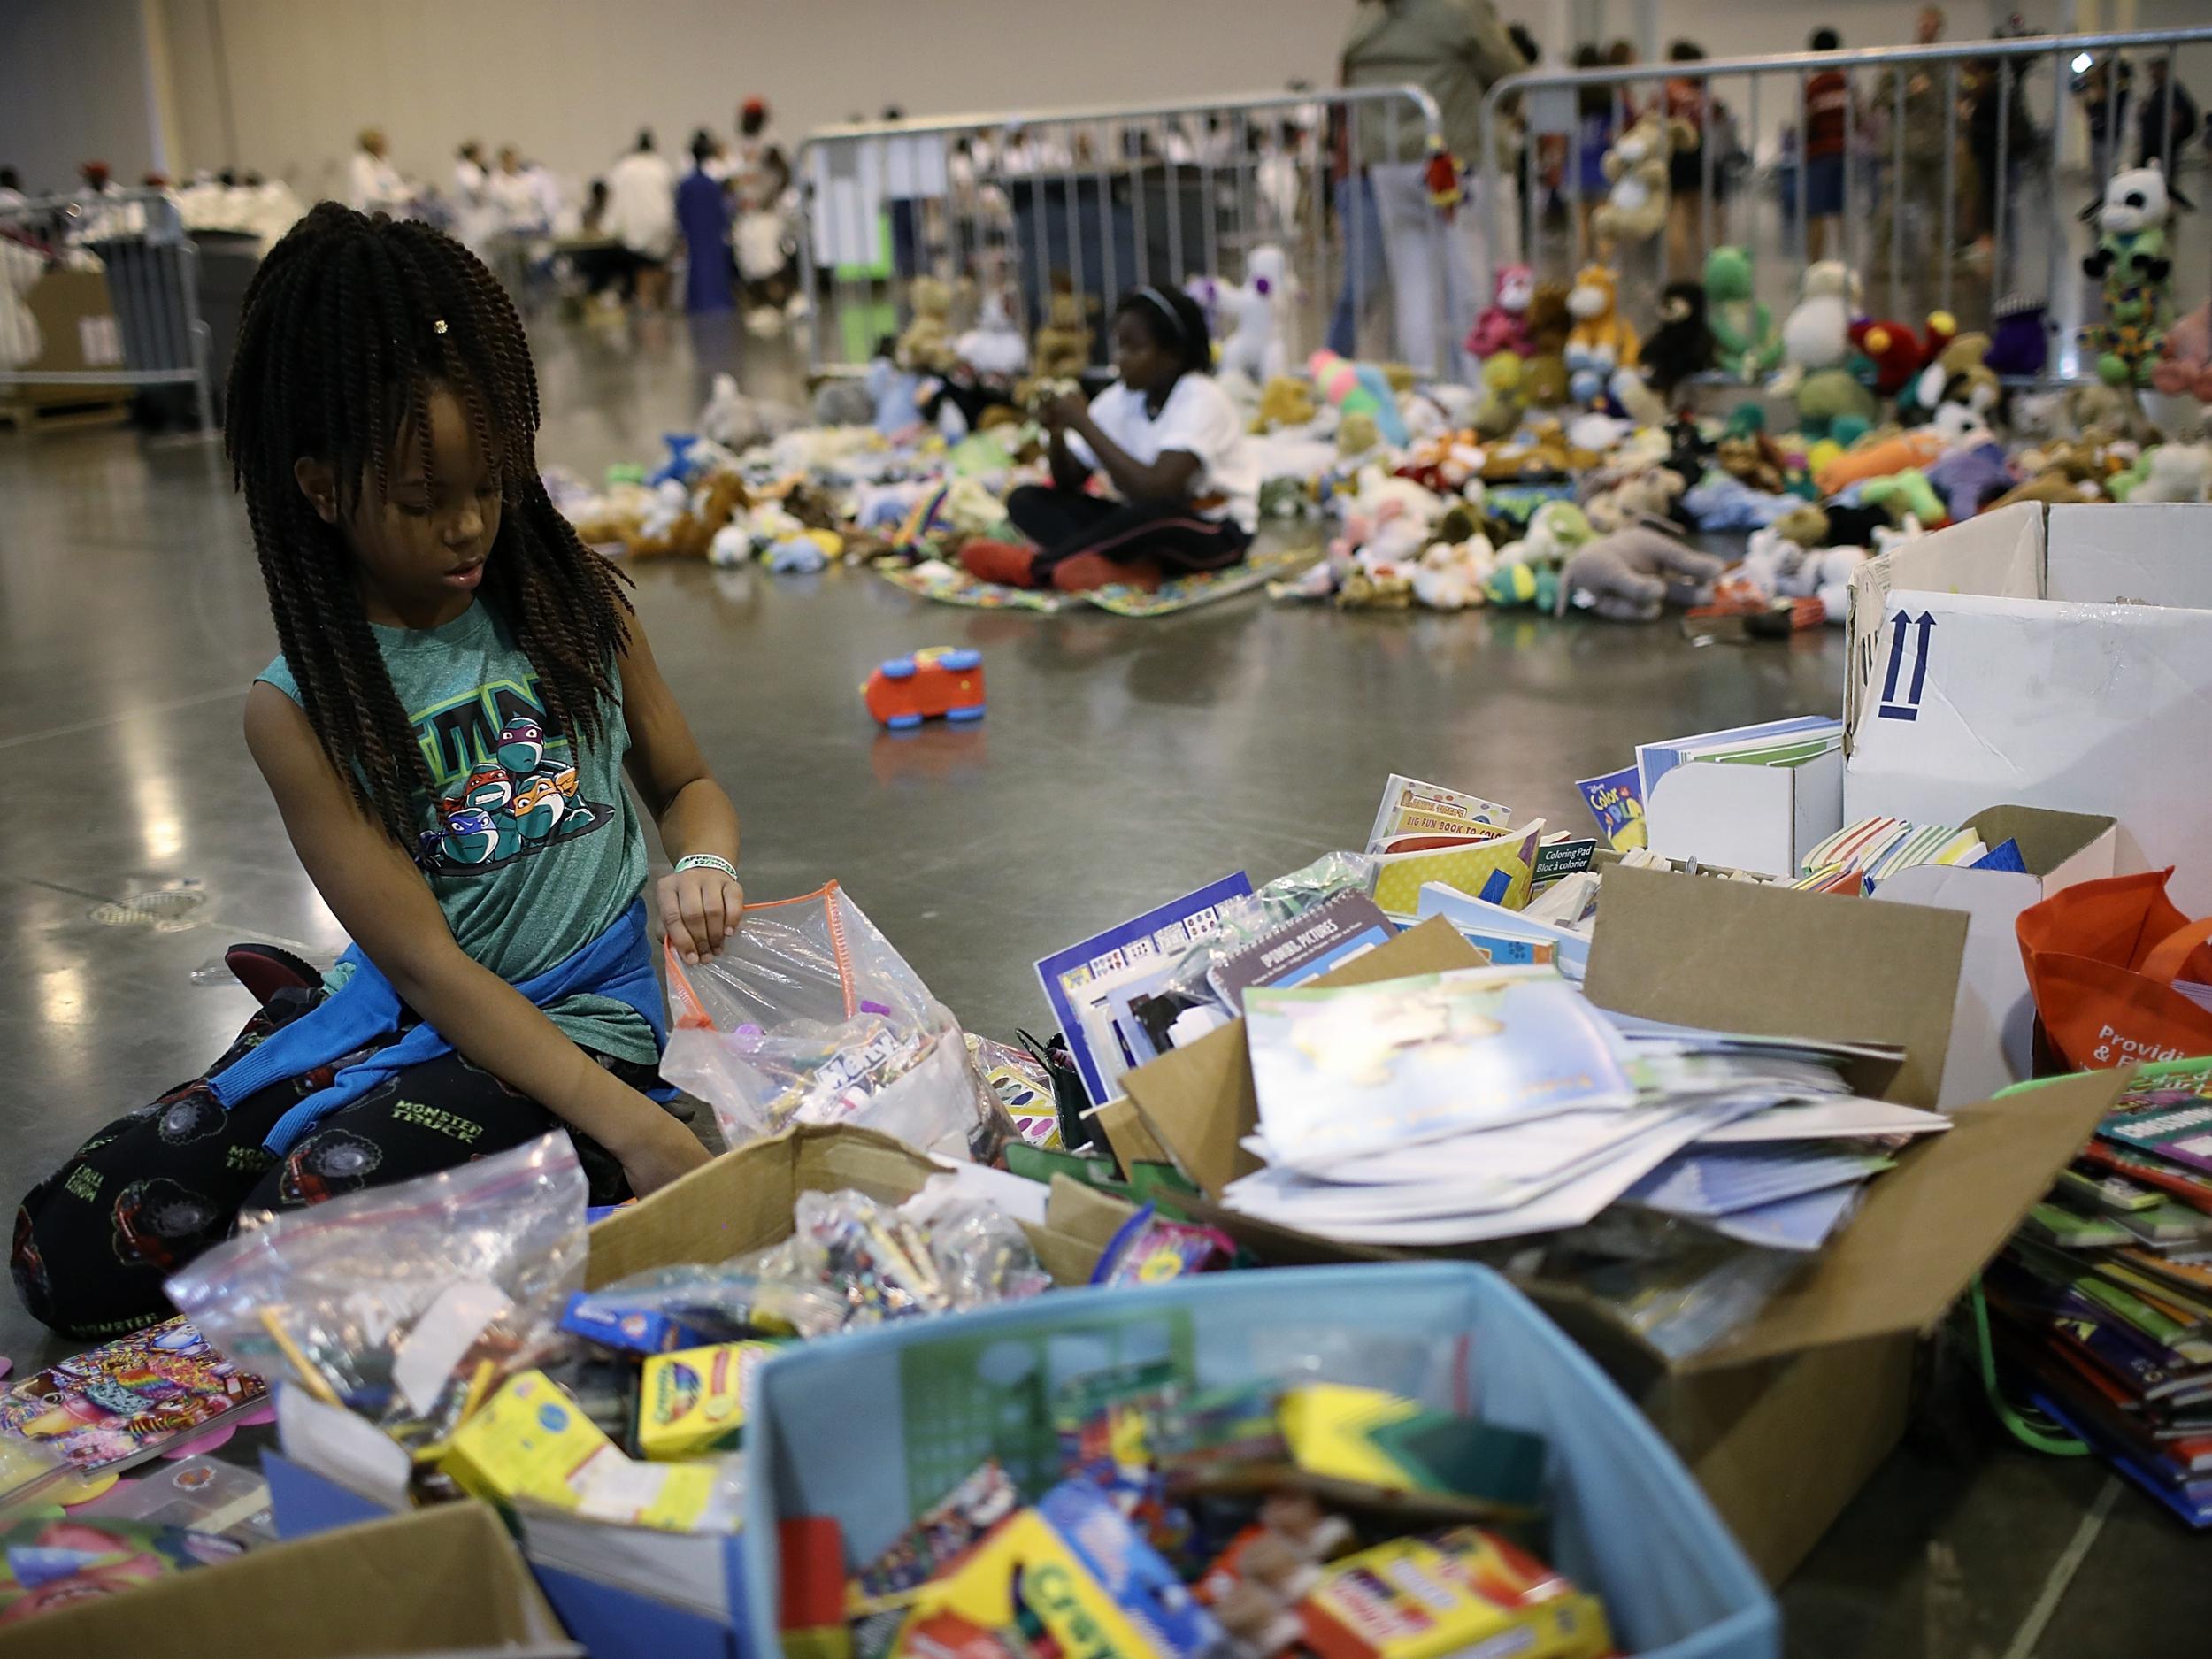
(944, 679)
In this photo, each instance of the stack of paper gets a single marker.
(1785, 1196)
(1493, 1103)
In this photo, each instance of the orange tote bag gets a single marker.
(2102, 957)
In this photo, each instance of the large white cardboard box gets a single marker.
(2057, 657)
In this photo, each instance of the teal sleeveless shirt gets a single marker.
(532, 847)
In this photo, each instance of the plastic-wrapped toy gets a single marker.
(1602, 340)
(1504, 325)
(1746, 343)
(1358, 388)
(943, 682)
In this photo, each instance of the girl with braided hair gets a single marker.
(461, 685)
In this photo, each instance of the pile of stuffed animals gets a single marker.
(1567, 477)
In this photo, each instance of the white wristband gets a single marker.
(707, 861)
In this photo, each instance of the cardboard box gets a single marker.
(744, 1201)
(1786, 1420)
(1763, 819)
(447, 1581)
(2055, 656)
(1993, 1021)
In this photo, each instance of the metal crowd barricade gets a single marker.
(1998, 171)
(1106, 197)
(128, 248)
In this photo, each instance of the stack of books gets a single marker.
(2103, 1301)
(1861, 855)
(1790, 742)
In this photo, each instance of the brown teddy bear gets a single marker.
(1544, 375)
(1636, 166)
(1284, 400)
(925, 347)
(1063, 341)
(1749, 459)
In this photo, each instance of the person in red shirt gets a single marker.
(1827, 128)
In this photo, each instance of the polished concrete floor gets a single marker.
(1121, 762)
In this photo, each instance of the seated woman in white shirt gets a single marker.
(1183, 476)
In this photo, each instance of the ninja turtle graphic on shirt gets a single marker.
(507, 785)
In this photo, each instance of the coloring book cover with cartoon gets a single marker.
(1347, 1070)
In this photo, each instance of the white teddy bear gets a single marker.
(1450, 574)
(1255, 347)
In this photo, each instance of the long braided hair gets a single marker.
(349, 324)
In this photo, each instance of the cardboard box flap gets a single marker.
(2143, 553)
(2046, 839)
(1768, 961)
(742, 1200)
(1131, 1141)
(1929, 1226)
(1197, 1100)
(445, 1580)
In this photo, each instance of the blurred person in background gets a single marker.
(1918, 188)
(373, 184)
(642, 215)
(2168, 119)
(1454, 50)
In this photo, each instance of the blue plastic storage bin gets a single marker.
(872, 1428)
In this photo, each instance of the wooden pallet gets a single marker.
(99, 408)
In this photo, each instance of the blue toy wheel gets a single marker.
(961, 660)
(903, 722)
(974, 713)
(898, 668)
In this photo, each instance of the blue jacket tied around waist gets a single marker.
(618, 964)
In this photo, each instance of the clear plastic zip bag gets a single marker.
(808, 1015)
(408, 1303)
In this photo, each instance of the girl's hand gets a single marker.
(1062, 412)
(663, 1149)
(700, 909)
